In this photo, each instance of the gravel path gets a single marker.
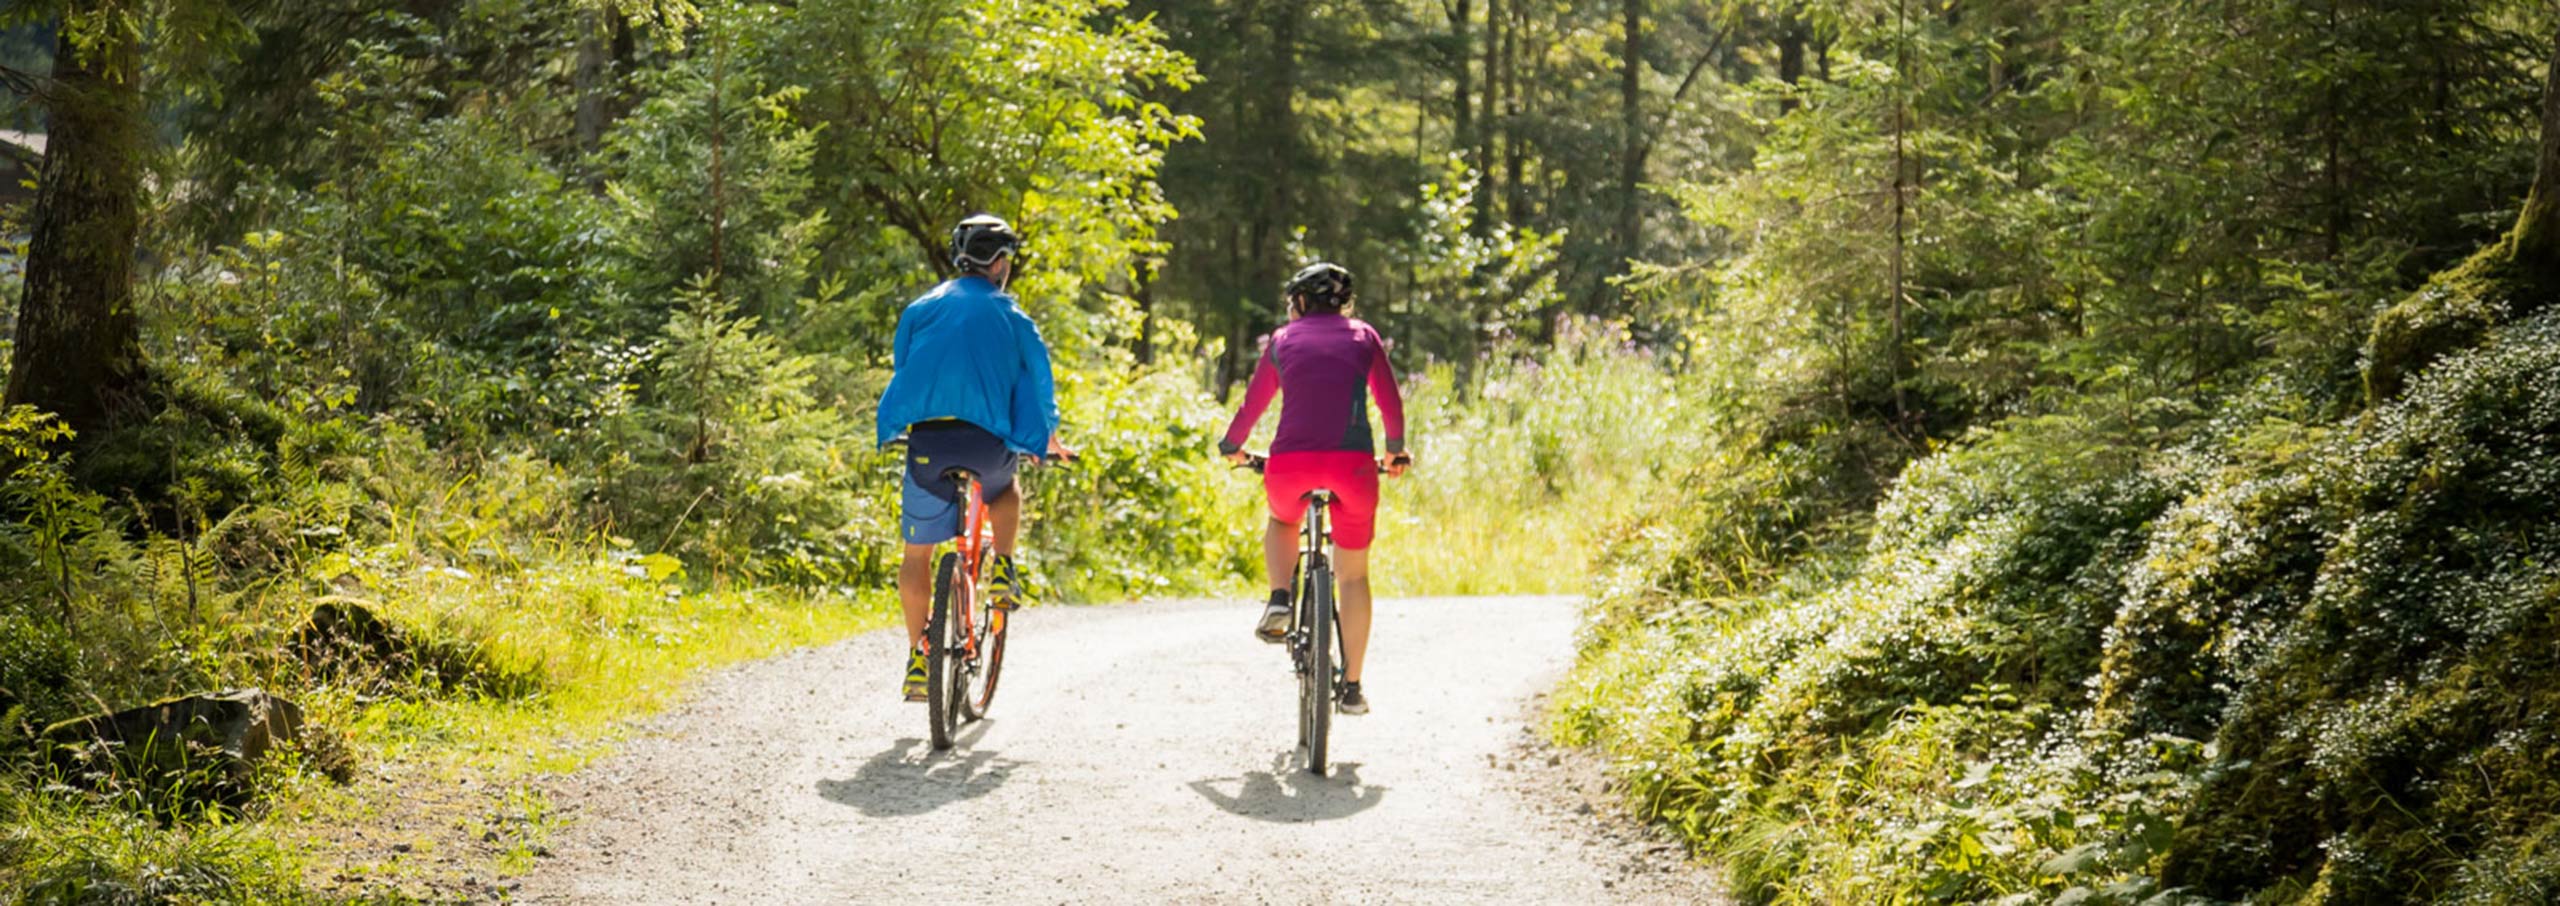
(1136, 754)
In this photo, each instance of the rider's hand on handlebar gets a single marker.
(1394, 464)
(1239, 458)
(1059, 452)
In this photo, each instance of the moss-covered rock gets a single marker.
(193, 748)
(2451, 313)
(345, 642)
(2403, 728)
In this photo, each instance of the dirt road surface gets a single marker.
(1135, 754)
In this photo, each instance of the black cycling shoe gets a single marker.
(1274, 627)
(1350, 701)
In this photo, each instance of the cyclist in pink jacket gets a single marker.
(1325, 365)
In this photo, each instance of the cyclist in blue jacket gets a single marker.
(971, 387)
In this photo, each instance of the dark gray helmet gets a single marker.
(1322, 283)
(978, 241)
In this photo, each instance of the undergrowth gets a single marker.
(2287, 650)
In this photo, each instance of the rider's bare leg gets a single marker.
(1279, 552)
(1353, 569)
(915, 590)
(1005, 514)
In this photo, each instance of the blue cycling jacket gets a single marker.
(966, 351)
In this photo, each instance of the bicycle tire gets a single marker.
(1299, 632)
(978, 685)
(1315, 696)
(940, 661)
(1298, 663)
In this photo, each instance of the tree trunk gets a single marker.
(592, 79)
(79, 349)
(1790, 59)
(1278, 210)
(2537, 243)
(1901, 202)
(1511, 109)
(719, 163)
(1465, 134)
(1631, 128)
(1488, 125)
(2333, 227)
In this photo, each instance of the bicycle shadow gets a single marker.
(1287, 794)
(909, 778)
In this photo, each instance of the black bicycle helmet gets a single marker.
(978, 241)
(1323, 284)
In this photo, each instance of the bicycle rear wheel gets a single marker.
(942, 659)
(1315, 686)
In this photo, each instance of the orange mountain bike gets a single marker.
(964, 636)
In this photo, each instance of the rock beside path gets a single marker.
(200, 746)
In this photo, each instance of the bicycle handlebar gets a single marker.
(1260, 463)
(1054, 462)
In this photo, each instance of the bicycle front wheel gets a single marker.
(1315, 686)
(942, 659)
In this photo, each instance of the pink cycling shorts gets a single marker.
(1351, 475)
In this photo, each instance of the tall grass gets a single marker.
(1519, 477)
(61, 848)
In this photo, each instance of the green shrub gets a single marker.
(1820, 731)
(39, 677)
(1147, 510)
(728, 462)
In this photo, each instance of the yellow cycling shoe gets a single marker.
(1005, 587)
(915, 686)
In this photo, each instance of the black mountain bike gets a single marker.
(1315, 626)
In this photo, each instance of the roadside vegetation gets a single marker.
(2147, 525)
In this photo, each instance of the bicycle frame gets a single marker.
(972, 544)
(1315, 557)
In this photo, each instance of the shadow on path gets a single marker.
(1288, 794)
(910, 778)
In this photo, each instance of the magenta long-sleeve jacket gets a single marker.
(1326, 367)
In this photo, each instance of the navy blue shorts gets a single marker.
(929, 508)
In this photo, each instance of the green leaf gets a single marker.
(661, 567)
(2076, 860)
